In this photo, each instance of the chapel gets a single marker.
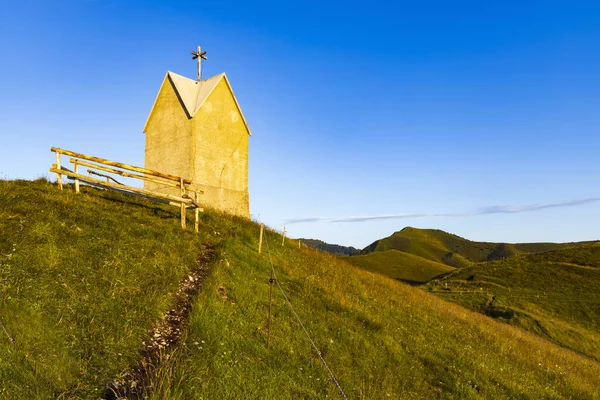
(196, 130)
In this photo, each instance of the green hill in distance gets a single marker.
(550, 289)
(86, 279)
(555, 294)
(399, 265)
(453, 250)
(335, 249)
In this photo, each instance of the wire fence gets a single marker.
(10, 339)
(312, 342)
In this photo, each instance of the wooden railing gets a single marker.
(188, 197)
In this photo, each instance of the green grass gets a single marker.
(554, 294)
(400, 265)
(84, 277)
(382, 339)
(453, 250)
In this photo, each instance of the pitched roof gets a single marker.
(192, 94)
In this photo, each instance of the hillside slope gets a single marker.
(83, 278)
(453, 250)
(335, 249)
(400, 265)
(381, 338)
(554, 294)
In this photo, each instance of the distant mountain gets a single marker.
(453, 250)
(334, 249)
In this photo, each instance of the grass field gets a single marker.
(83, 279)
(400, 265)
(382, 339)
(553, 294)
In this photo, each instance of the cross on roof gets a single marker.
(199, 55)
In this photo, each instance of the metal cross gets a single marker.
(200, 55)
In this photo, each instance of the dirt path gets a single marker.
(134, 383)
(580, 266)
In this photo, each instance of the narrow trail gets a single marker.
(135, 382)
(580, 266)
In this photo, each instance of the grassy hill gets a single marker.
(85, 278)
(335, 249)
(82, 279)
(400, 265)
(453, 250)
(554, 294)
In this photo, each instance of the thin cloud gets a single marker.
(496, 209)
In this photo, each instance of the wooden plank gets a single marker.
(120, 165)
(123, 173)
(194, 202)
(150, 193)
(143, 196)
(108, 177)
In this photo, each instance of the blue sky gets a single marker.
(479, 118)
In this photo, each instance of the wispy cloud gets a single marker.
(495, 209)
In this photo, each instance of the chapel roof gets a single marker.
(192, 94)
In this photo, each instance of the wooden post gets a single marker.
(270, 307)
(262, 228)
(183, 222)
(299, 244)
(283, 240)
(75, 170)
(183, 215)
(196, 215)
(58, 176)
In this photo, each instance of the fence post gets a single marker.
(182, 188)
(76, 170)
(196, 215)
(283, 240)
(262, 227)
(270, 307)
(58, 175)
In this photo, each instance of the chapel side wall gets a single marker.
(168, 134)
(220, 143)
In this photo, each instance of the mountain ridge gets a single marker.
(335, 249)
(439, 246)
